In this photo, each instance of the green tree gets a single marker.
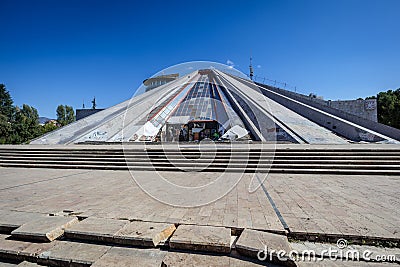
(6, 103)
(69, 114)
(65, 114)
(389, 108)
(7, 111)
(26, 125)
(48, 127)
(5, 130)
(61, 115)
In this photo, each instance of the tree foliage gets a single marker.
(61, 114)
(6, 103)
(5, 129)
(26, 125)
(69, 114)
(21, 125)
(48, 127)
(65, 114)
(7, 111)
(389, 108)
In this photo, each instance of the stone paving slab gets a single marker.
(7, 264)
(319, 248)
(95, 229)
(21, 250)
(148, 234)
(124, 257)
(358, 208)
(250, 242)
(201, 238)
(11, 220)
(179, 259)
(329, 263)
(44, 229)
(28, 264)
(70, 253)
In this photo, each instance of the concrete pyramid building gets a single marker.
(212, 104)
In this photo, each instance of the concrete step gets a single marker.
(309, 160)
(327, 170)
(190, 152)
(205, 155)
(224, 165)
(122, 161)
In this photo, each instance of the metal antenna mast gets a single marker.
(251, 69)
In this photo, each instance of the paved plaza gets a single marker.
(304, 207)
(313, 204)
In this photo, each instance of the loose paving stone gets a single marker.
(95, 229)
(72, 253)
(202, 238)
(180, 259)
(256, 244)
(11, 220)
(122, 257)
(21, 250)
(44, 229)
(148, 234)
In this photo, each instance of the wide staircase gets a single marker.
(383, 160)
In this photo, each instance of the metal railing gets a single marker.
(278, 84)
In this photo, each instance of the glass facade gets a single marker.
(196, 110)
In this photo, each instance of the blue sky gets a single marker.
(64, 52)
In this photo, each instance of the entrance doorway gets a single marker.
(198, 130)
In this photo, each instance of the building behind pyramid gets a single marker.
(210, 104)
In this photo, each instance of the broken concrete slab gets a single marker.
(201, 238)
(118, 256)
(95, 229)
(11, 220)
(44, 229)
(264, 246)
(148, 234)
(72, 253)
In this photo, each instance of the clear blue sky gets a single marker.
(61, 52)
